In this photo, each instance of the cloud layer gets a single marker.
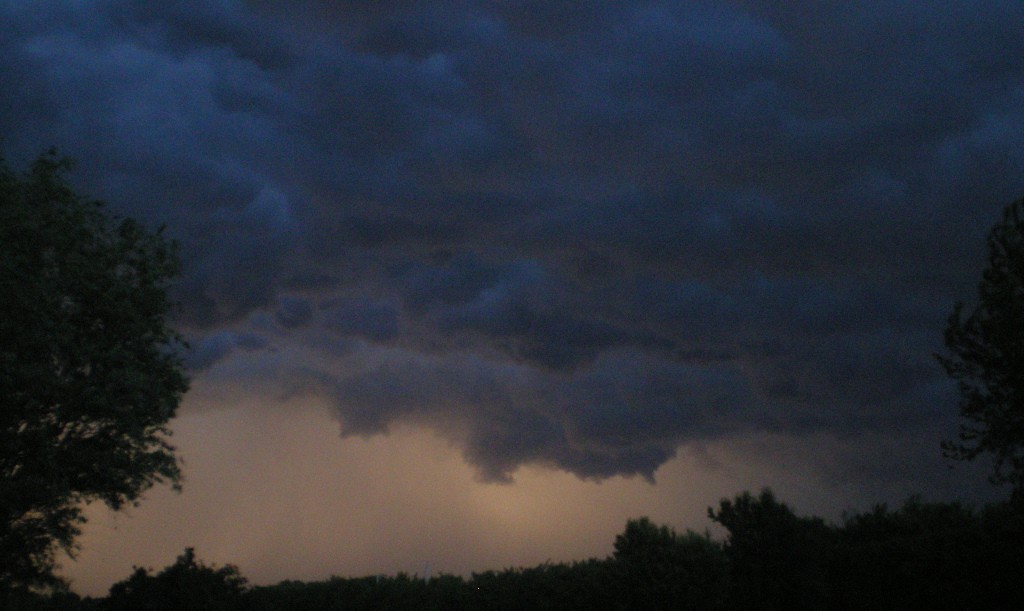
(577, 240)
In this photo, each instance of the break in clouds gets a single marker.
(573, 237)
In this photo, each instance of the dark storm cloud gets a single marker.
(293, 311)
(212, 348)
(624, 413)
(572, 238)
(372, 320)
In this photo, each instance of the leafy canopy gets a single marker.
(986, 357)
(90, 372)
(186, 584)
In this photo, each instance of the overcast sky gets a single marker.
(472, 283)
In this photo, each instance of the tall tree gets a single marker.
(90, 372)
(662, 569)
(986, 357)
(778, 559)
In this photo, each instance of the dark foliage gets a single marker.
(57, 599)
(661, 569)
(89, 373)
(926, 556)
(379, 592)
(986, 357)
(583, 585)
(776, 558)
(186, 584)
(920, 556)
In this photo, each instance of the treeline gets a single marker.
(918, 556)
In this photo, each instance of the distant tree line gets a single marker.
(921, 555)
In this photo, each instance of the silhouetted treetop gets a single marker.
(89, 368)
(986, 357)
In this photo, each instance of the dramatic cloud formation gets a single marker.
(569, 237)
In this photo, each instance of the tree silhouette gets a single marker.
(185, 585)
(778, 560)
(662, 569)
(89, 372)
(986, 357)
